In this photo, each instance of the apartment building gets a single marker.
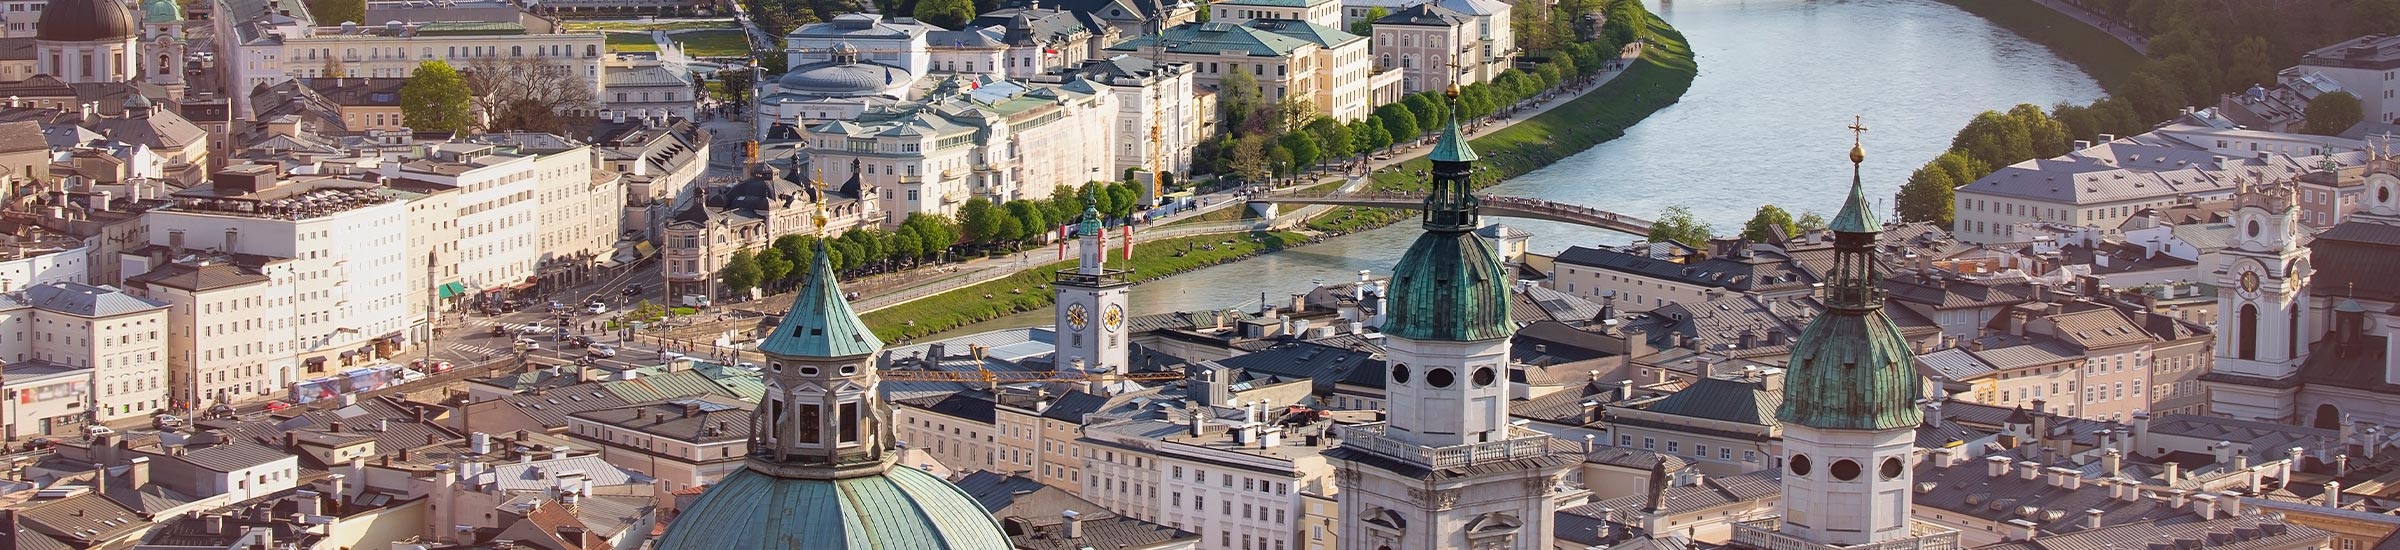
(580, 207)
(270, 41)
(999, 140)
(498, 208)
(1150, 97)
(231, 319)
(346, 244)
(684, 442)
(2198, 157)
(1434, 46)
(111, 340)
(2365, 66)
(1236, 476)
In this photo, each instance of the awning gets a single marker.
(527, 285)
(452, 290)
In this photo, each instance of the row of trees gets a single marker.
(1677, 224)
(2197, 53)
(514, 94)
(920, 238)
(1286, 138)
(987, 225)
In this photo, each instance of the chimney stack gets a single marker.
(2091, 518)
(137, 472)
(1072, 528)
(2333, 494)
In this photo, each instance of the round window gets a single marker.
(1845, 469)
(2383, 194)
(848, 370)
(777, 366)
(2253, 228)
(1440, 378)
(1484, 377)
(1891, 468)
(1399, 374)
(1801, 465)
(808, 371)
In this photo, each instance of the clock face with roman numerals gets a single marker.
(1114, 318)
(1078, 316)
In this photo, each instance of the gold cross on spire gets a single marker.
(1858, 130)
(819, 182)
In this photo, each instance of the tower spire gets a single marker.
(1451, 206)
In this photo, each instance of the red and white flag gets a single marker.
(1128, 241)
(1062, 242)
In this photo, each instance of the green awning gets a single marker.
(450, 290)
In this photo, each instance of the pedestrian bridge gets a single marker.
(1493, 205)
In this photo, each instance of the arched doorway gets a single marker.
(2245, 343)
(2328, 417)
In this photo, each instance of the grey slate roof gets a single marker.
(2233, 533)
(537, 475)
(1737, 401)
(1426, 14)
(88, 301)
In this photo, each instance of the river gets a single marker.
(1765, 123)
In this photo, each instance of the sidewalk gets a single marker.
(2095, 20)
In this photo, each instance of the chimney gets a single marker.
(2016, 322)
(2133, 490)
(341, 486)
(2066, 479)
(2204, 504)
(1199, 421)
(2291, 463)
(2341, 465)
(691, 410)
(2091, 518)
(233, 240)
(2174, 473)
(213, 524)
(2232, 502)
(2112, 461)
(2141, 430)
(100, 478)
(1072, 528)
(2333, 494)
(2224, 452)
(479, 443)
(335, 427)
(1943, 458)
(2022, 529)
(2116, 489)
(1998, 466)
(2029, 471)
(174, 242)
(137, 472)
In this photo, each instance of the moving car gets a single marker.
(596, 307)
(601, 350)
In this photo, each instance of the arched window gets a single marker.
(2329, 417)
(516, 51)
(2245, 343)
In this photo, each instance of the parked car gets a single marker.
(166, 422)
(634, 289)
(596, 307)
(601, 350)
(529, 343)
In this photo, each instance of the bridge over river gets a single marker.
(1492, 205)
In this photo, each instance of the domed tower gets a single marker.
(81, 41)
(163, 46)
(821, 471)
(1448, 470)
(1091, 302)
(2262, 301)
(1849, 408)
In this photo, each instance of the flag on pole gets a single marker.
(1062, 242)
(1128, 241)
(1102, 234)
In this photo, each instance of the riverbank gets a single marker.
(2108, 59)
(1653, 81)
(1030, 289)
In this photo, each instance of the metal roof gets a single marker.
(821, 323)
(901, 508)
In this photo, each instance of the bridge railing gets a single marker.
(1522, 204)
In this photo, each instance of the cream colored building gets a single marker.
(999, 140)
(121, 338)
(268, 48)
(1318, 12)
(1436, 47)
(231, 319)
(497, 208)
(1329, 68)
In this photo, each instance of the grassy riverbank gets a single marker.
(2108, 61)
(1029, 290)
(1654, 81)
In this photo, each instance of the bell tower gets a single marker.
(823, 416)
(1091, 303)
(1849, 407)
(1448, 471)
(2262, 302)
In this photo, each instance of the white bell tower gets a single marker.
(2262, 303)
(1091, 306)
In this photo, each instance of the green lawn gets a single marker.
(1029, 290)
(712, 43)
(2107, 59)
(631, 42)
(669, 25)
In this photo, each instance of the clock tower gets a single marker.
(1091, 330)
(2262, 298)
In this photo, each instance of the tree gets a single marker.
(772, 266)
(1332, 137)
(436, 98)
(948, 14)
(2153, 98)
(333, 12)
(2252, 62)
(735, 84)
(1125, 198)
(1365, 26)
(2333, 112)
(1367, 134)
(2048, 136)
(1030, 219)
(798, 248)
(1928, 194)
(1250, 158)
(527, 93)
(1810, 221)
(983, 224)
(1399, 124)
(1430, 111)
(740, 274)
(933, 233)
(1996, 139)
(1678, 225)
(1303, 148)
(1762, 225)
(1237, 98)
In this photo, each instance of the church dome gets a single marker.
(161, 11)
(1450, 286)
(844, 79)
(902, 507)
(85, 21)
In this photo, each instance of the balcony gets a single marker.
(1767, 534)
(1372, 438)
(1106, 277)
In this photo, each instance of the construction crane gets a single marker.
(990, 377)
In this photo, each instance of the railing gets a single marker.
(1497, 204)
(1767, 534)
(1104, 277)
(1372, 438)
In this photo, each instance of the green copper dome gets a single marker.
(1453, 146)
(1851, 369)
(820, 323)
(161, 11)
(902, 508)
(1448, 287)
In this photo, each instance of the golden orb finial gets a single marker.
(819, 182)
(1858, 152)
